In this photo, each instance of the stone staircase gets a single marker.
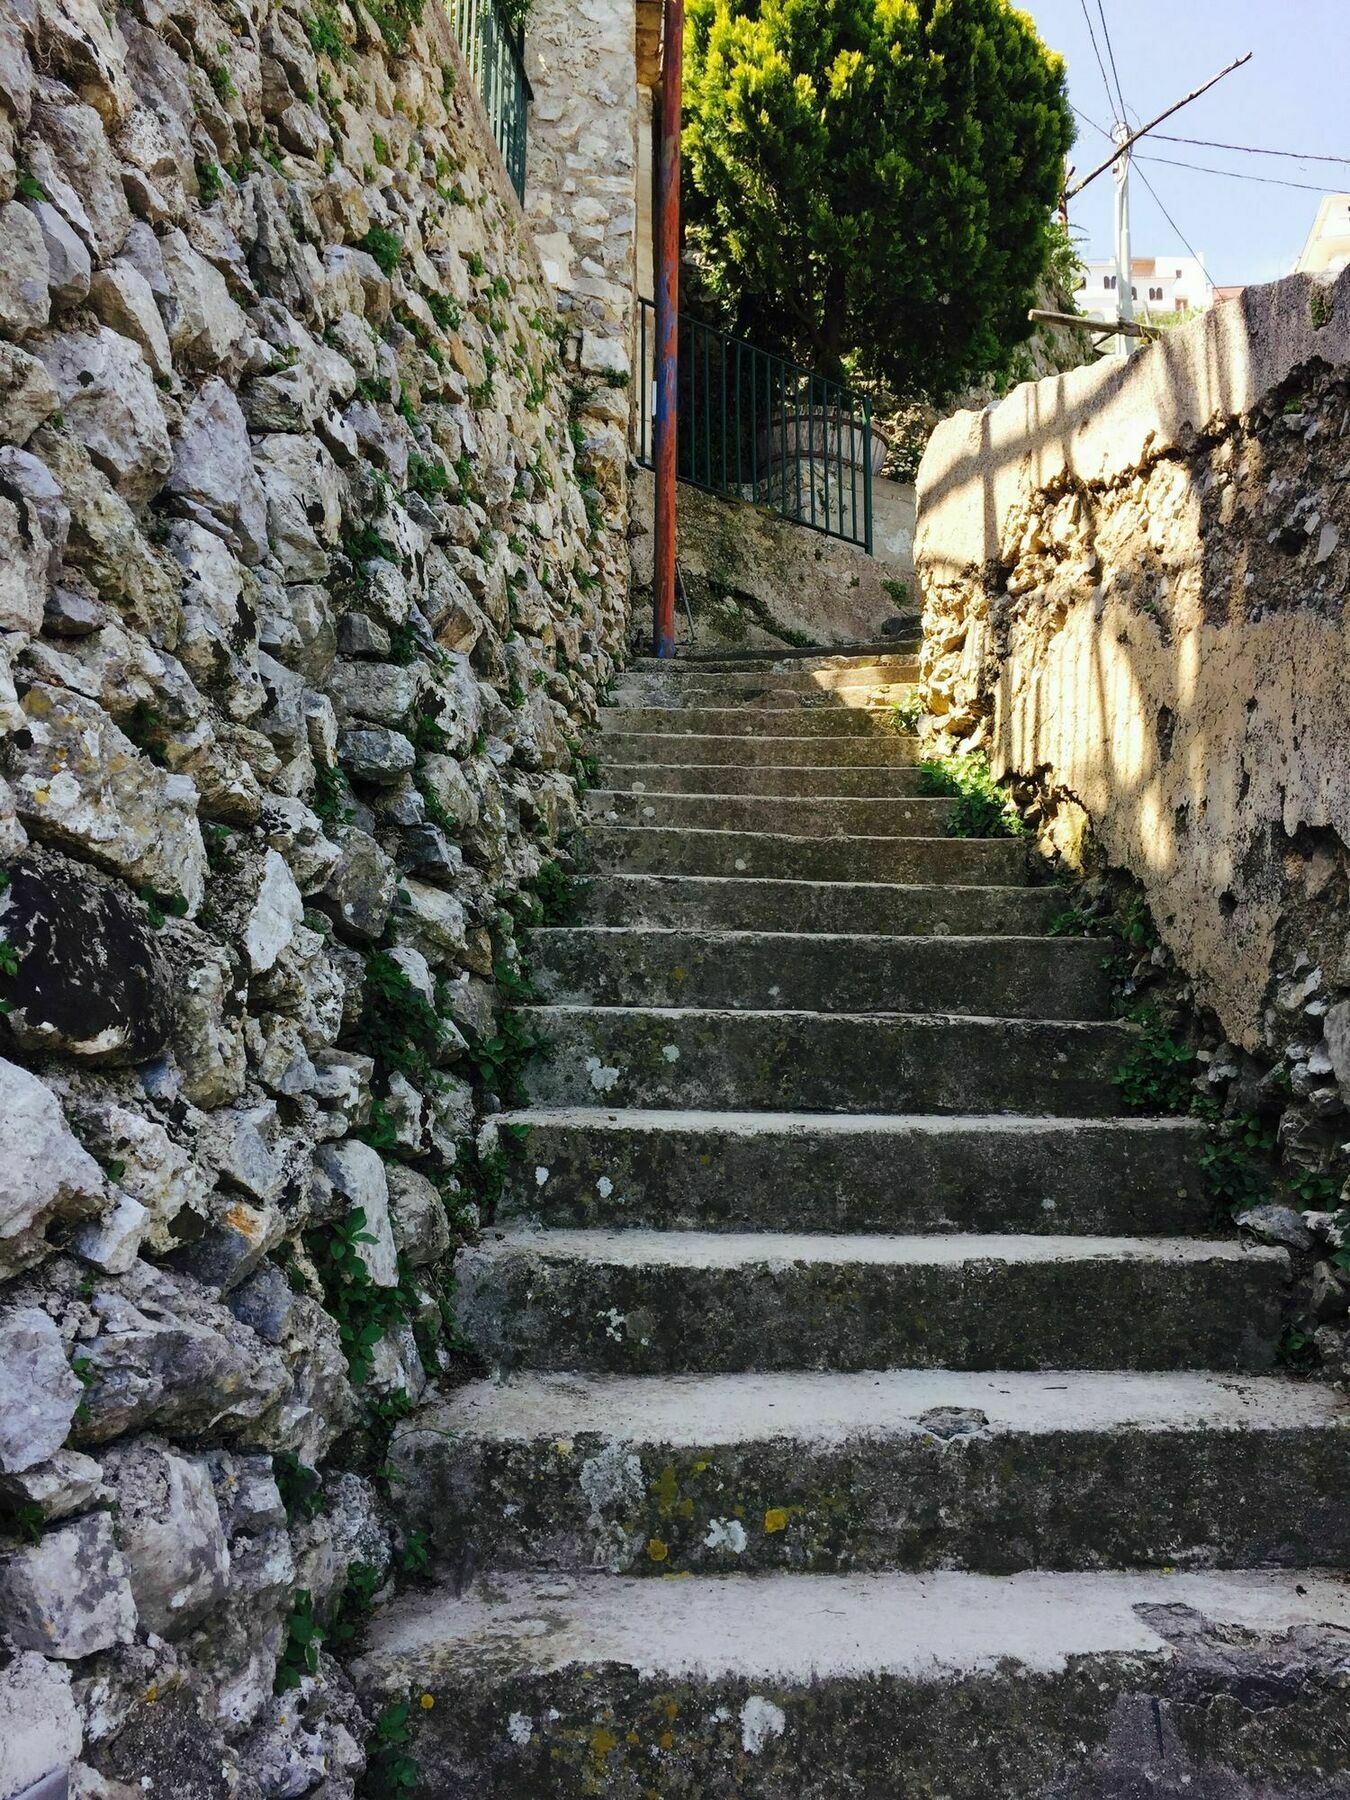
(874, 1415)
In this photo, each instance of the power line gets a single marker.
(1092, 36)
(1106, 33)
(1157, 200)
(1307, 187)
(1247, 149)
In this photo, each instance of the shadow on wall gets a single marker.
(1135, 582)
(755, 579)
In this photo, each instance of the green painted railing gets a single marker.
(495, 53)
(756, 427)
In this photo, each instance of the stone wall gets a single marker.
(755, 579)
(1135, 594)
(307, 584)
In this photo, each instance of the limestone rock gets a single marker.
(68, 1594)
(38, 1389)
(46, 1175)
(169, 1531)
(361, 888)
(92, 981)
(166, 1356)
(125, 302)
(66, 1483)
(68, 264)
(213, 480)
(208, 1033)
(40, 1727)
(276, 911)
(154, 1170)
(206, 327)
(24, 300)
(73, 161)
(24, 557)
(376, 755)
(27, 396)
(81, 784)
(111, 404)
(421, 1231)
(112, 1242)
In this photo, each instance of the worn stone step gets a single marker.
(836, 678)
(786, 657)
(823, 1062)
(759, 778)
(1039, 1686)
(688, 850)
(685, 1302)
(889, 749)
(745, 721)
(741, 903)
(749, 1171)
(905, 1469)
(791, 815)
(992, 977)
(644, 691)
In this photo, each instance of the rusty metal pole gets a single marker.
(667, 324)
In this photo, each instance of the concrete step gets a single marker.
(681, 744)
(1041, 1686)
(784, 658)
(992, 977)
(792, 815)
(686, 1302)
(759, 778)
(734, 1171)
(904, 1469)
(834, 678)
(745, 721)
(741, 903)
(644, 691)
(686, 850)
(823, 1062)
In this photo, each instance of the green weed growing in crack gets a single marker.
(304, 1635)
(399, 1025)
(980, 807)
(392, 1772)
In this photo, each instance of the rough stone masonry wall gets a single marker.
(307, 585)
(1135, 587)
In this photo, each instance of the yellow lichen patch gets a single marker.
(602, 1742)
(657, 1549)
(667, 1740)
(776, 1519)
(666, 1491)
(701, 1468)
(670, 1706)
(633, 1738)
(685, 1509)
(426, 1701)
(562, 1446)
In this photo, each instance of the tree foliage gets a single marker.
(872, 180)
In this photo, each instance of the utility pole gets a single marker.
(1124, 290)
(667, 326)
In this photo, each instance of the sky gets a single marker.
(1290, 96)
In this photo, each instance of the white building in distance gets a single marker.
(1162, 285)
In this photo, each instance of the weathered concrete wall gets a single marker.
(753, 578)
(305, 594)
(1135, 591)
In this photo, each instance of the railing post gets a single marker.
(667, 326)
(867, 473)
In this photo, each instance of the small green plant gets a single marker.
(367, 545)
(980, 807)
(444, 311)
(380, 146)
(904, 716)
(898, 591)
(363, 1310)
(426, 477)
(1319, 305)
(304, 1635)
(325, 34)
(300, 1487)
(395, 19)
(332, 796)
(210, 181)
(374, 390)
(160, 908)
(1236, 1161)
(357, 1603)
(428, 734)
(27, 187)
(392, 1772)
(218, 74)
(1156, 1074)
(385, 246)
(477, 267)
(1075, 921)
(399, 1025)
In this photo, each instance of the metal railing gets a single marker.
(756, 427)
(495, 53)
